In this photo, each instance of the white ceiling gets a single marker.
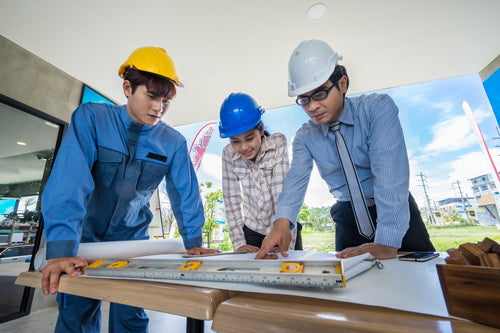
(222, 46)
(18, 126)
(24, 163)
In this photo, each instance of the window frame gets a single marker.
(27, 298)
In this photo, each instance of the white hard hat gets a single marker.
(310, 65)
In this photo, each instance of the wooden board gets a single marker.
(249, 313)
(187, 301)
(472, 292)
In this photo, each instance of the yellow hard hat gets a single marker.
(153, 60)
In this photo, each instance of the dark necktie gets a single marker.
(361, 213)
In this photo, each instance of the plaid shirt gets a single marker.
(261, 182)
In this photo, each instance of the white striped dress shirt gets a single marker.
(371, 128)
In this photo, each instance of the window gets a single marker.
(28, 141)
(90, 95)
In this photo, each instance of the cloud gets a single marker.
(420, 177)
(441, 182)
(317, 194)
(413, 95)
(454, 133)
(211, 166)
(472, 165)
(415, 169)
(444, 106)
(483, 112)
(450, 135)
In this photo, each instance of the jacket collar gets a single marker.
(129, 122)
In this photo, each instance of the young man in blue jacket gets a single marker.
(387, 218)
(109, 164)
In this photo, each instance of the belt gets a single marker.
(370, 202)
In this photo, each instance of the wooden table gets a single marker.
(195, 303)
(251, 312)
(235, 311)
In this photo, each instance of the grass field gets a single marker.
(443, 237)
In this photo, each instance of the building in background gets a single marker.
(484, 191)
(462, 206)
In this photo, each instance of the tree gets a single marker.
(304, 216)
(320, 218)
(209, 207)
(453, 216)
(317, 218)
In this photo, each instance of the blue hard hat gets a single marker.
(238, 114)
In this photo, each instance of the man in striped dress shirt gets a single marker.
(372, 131)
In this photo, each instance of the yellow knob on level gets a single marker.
(118, 264)
(96, 263)
(190, 266)
(291, 267)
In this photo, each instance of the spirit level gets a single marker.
(309, 273)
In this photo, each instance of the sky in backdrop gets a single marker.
(439, 138)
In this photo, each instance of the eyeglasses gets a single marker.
(316, 96)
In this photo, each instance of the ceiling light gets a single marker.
(317, 12)
(48, 123)
(21, 143)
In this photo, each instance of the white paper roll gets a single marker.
(360, 267)
(120, 250)
(353, 261)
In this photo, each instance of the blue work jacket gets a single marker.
(105, 172)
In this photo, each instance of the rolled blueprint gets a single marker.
(120, 250)
(360, 267)
(356, 265)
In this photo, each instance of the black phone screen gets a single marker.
(419, 256)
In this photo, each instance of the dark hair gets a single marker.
(155, 84)
(338, 72)
(260, 126)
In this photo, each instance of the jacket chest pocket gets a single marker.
(105, 166)
(151, 176)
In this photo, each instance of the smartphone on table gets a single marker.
(419, 256)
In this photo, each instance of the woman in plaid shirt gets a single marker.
(254, 166)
